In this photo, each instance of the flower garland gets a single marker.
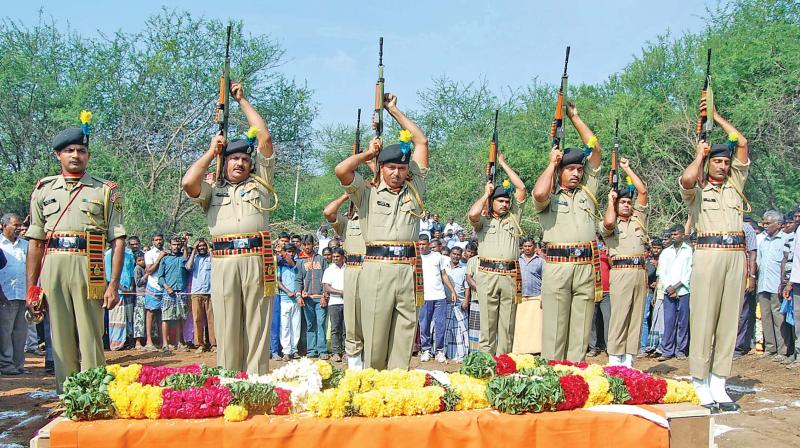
(197, 402)
(642, 387)
(155, 375)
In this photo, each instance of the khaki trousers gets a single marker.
(388, 314)
(528, 326)
(242, 314)
(76, 323)
(496, 294)
(628, 293)
(202, 313)
(353, 337)
(568, 306)
(717, 291)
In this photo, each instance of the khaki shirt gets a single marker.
(239, 208)
(498, 238)
(386, 215)
(629, 236)
(96, 208)
(718, 208)
(350, 230)
(571, 216)
(472, 266)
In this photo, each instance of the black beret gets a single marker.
(500, 192)
(235, 146)
(70, 136)
(572, 156)
(394, 154)
(625, 192)
(720, 150)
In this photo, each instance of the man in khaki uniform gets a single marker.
(242, 265)
(73, 215)
(498, 276)
(625, 232)
(568, 215)
(716, 205)
(348, 226)
(389, 212)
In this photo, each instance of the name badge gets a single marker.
(383, 204)
(49, 201)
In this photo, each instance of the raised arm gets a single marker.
(638, 183)
(519, 186)
(253, 119)
(476, 209)
(420, 154)
(742, 149)
(345, 170)
(192, 180)
(694, 171)
(331, 210)
(610, 218)
(583, 130)
(544, 184)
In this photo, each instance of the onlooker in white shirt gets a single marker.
(434, 311)
(13, 325)
(452, 226)
(333, 284)
(674, 272)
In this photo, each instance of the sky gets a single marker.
(332, 45)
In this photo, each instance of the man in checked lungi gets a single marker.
(568, 214)
(624, 229)
(390, 283)
(714, 194)
(498, 278)
(237, 209)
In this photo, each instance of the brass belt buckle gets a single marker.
(395, 250)
(241, 243)
(578, 252)
(728, 239)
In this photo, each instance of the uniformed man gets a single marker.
(625, 232)
(499, 277)
(568, 215)
(237, 210)
(389, 211)
(348, 226)
(716, 203)
(73, 215)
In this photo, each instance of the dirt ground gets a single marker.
(768, 393)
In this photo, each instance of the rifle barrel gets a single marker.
(566, 61)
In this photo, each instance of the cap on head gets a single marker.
(720, 150)
(70, 136)
(394, 154)
(625, 193)
(237, 146)
(572, 156)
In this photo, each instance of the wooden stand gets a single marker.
(689, 425)
(42, 437)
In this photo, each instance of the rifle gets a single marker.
(379, 92)
(356, 150)
(557, 129)
(223, 106)
(491, 168)
(613, 175)
(704, 125)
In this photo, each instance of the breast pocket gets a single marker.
(219, 209)
(558, 206)
(381, 215)
(410, 209)
(50, 213)
(95, 211)
(254, 202)
(354, 230)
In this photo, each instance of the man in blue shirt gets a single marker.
(120, 318)
(290, 310)
(171, 275)
(528, 326)
(769, 258)
(199, 264)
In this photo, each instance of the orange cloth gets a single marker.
(463, 429)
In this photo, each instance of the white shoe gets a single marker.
(425, 356)
(717, 386)
(355, 362)
(616, 360)
(702, 390)
(440, 357)
(628, 360)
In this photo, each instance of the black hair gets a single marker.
(424, 237)
(308, 239)
(284, 235)
(338, 251)
(473, 246)
(130, 238)
(677, 228)
(289, 247)
(326, 249)
(296, 236)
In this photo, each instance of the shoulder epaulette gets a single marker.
(109, 183)
(44, 181)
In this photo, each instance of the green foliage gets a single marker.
(517, 394)
(85, 395)
(258, 398)
(618, 389)
(478, 365)
(183, 381)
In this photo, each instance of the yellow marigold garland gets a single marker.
(325, 369)
(523, 361)
(679, 392)
(235, 413)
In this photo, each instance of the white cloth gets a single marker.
(675, 266)
(454, 227)
(760, 237)
(323, 243)
(425, 227)
(432, 266)
(150, 257)
(12, 277)
(795, 278)
(334, 276)
(290, 327)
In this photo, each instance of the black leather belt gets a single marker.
(498, 265)
(628, 262)
(569, 254)
(391, 252)
(357, 258)
(725, 241)
(237, 243)
(67, 242)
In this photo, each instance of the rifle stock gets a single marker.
(613, 175)
(557, 129)
(356, 150)
(223, 106)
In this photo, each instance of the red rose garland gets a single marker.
(505, 365)
(197, 402)
(580, 365)
(284, 403)
(643, 387)
(154, 375)
(211, 381)
(576, 392)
